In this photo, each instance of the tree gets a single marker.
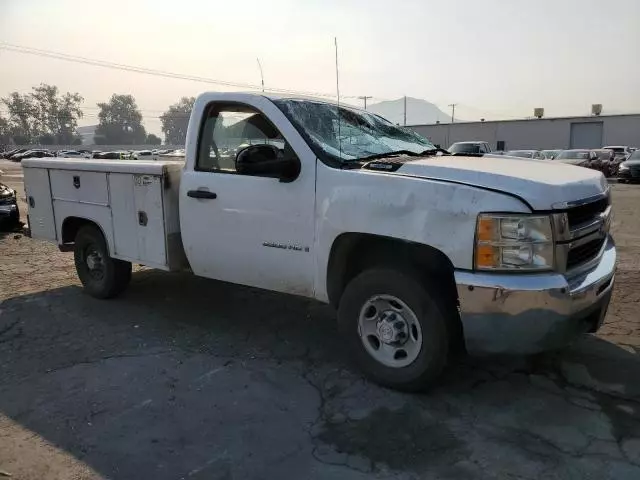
(22, 123)
(175, 121)
(153, 139)
(5, 135)
(43, 113)
(57, 115)
(120, 121)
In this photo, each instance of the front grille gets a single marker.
(586, 213)
(584, 253)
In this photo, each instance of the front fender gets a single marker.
(431, 212)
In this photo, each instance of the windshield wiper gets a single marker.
(425, 153)
(390, 154)
(435, 151)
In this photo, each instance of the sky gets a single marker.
(493, 58)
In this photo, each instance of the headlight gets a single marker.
(623, 167)
(510, 242)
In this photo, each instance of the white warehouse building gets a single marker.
(540, 133)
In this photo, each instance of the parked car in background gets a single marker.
(8, 153)
(144, 155)
(579, 157)
(33, 154)
(533, 154)
(621, 151)
(176, 155)
(70, 154)
(463, 148)
(550, 154)
(15, 153)
(9, 212)
(113, 155)
(605, 162)
(629, 170)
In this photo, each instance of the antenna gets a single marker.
(261, 76)
(335, 41)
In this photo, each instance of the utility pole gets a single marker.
(405, 111)
(364, 97)
(453, 111)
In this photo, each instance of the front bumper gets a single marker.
(9, 211)
(531, 313)
(629, 174)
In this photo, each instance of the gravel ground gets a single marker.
(183, 377)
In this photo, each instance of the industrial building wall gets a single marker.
(622, 131)
(535, 133)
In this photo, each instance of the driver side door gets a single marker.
(247, 229)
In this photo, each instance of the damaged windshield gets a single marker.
(347, 134)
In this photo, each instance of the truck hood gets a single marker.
(544, 185)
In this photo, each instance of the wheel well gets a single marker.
(72, 225)
(352, 253)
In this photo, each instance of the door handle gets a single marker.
(201, 194)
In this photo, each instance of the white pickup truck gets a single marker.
(422, 253)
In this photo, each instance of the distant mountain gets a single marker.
(418, 111)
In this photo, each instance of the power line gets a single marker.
(149, 71)
(167, 74)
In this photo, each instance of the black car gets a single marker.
(8, 153)
(9, 212)
(16, 153)
(106, 155)
(32, 154)
(629, 171)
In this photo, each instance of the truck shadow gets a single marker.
(178, 367)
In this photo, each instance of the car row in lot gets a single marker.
(606, 159)
(19, 154)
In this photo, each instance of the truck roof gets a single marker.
(289, 96)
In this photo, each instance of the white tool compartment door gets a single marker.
(136, 203)
(41, 221)
(147, 193)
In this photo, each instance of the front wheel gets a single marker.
(396, 328)
(101, 276)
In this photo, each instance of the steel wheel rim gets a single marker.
(390, 331)
(94, 261)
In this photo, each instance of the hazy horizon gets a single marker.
(494, 59)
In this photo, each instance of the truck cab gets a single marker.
(422, 254)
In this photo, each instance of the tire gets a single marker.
(418, 304)
(101, 276)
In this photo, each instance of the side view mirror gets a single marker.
(268, 161)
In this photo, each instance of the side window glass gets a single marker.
(228, 130)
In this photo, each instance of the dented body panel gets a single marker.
(436, 213)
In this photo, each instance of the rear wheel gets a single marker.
(396, 328)
(101, 275)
